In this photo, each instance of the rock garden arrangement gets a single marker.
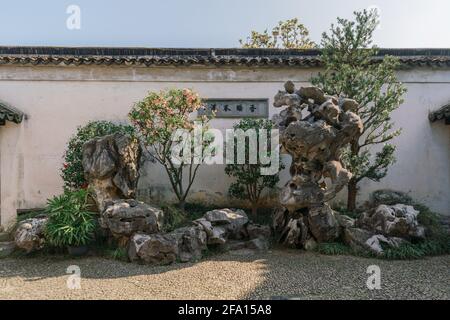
(101, 201)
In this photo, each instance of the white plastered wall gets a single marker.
(58, 99)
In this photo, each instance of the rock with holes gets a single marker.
(315, 142)
(126, 217)
(111, 167)
(395, 221)
(232, 221)
(29, 234)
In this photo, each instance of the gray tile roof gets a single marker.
(233, 57)
(442, 113)
(8, 113)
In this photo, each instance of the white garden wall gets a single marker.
(57, 99)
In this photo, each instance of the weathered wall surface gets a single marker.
(58, 99)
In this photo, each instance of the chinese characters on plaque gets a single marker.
(233, 108)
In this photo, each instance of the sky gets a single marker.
(210, 23)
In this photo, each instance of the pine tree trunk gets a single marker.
(352, 187)
(351, 197)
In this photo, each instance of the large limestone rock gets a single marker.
(396, 221)
(183, 244)
(255, 231)
(365, 241)
(215, 234)
(323, 223)
(111, 166)
(345, 221)
(315, 143)
(232, 220)
(126, 217)
(225, 223)
(29, 234)
(191, 242)
(293, 230)
(157, 249)
(232, 230)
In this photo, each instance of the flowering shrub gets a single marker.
(159, 114)
(72, 171)
(157, 117)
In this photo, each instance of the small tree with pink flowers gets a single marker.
(157, 118)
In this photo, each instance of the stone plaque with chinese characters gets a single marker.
(236, 108)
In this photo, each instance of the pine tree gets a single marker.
(351, 70)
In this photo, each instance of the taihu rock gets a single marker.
(111, 166)
(191, 242)
(365, 241)
(231, 220)
(126, 217)
(29, 234)
(156, 249)
(315, 143)
(397, 221)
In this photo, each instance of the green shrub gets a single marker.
(333, 248)
(70, 223)
(250, 183)
(72, 171)
(430, 220)
(120, 254)
(173, 218)
(419, 250)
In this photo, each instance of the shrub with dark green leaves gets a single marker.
(72, 170)
(70, 219)
(250, 183)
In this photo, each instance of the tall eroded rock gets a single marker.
(111, 166)
(317, 173)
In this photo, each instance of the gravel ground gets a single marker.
(277, 274)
